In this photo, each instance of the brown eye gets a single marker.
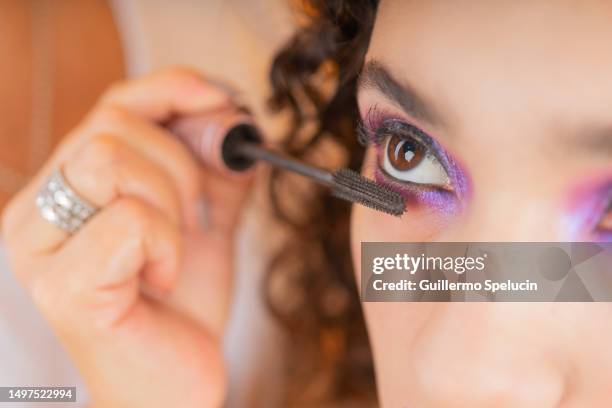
(404, 154)
(409, 160)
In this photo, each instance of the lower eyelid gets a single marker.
(409, 186)
(428, 196)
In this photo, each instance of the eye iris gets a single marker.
(404, 154)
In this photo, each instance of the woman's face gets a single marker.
(494, 119)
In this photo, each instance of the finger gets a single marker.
(223, 190)
(108, 254)
(134, 244)
(146, 139)
(157, 144)
(157, 96)
(100, 172)
(164, 94)
(106, 168)
(225, 201)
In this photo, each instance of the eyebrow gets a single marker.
(597, 142)
(376, 76)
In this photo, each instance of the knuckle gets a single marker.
(103, 147)
(181, 79)
(180, 74)
(133, 214)
(112, 90)
(102, 151)
(107, 114)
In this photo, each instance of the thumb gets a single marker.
(167, 93)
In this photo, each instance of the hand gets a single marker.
(139, 294)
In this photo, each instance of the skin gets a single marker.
(522, 117)
(150, 190)
(167, 223)
(130, 284)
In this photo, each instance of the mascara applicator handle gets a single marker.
(212, 139)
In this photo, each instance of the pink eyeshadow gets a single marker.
(586, 206)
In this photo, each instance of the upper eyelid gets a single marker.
(412, 131)
(367, 133)
(371, 122)
(376, 117)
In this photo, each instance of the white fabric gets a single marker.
(30, 355)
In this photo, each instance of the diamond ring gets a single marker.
(61, 205)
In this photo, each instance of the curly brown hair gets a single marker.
(331, 362)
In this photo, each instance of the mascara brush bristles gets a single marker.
(344, 183)
(352, 186)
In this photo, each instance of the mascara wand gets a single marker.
(239, 147)
(243, 148)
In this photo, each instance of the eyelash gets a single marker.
(376, 127)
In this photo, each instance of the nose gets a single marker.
(484, 364)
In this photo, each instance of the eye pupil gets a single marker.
(408, 155)
(404, 154)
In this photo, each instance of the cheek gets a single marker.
(416, 225)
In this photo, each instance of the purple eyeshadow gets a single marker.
(450, 199)
(438, 199)
(587, 206)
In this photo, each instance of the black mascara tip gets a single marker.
(352, 186)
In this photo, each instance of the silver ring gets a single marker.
(61, 205)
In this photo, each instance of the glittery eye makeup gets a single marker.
(589, 215)
(412, 162)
